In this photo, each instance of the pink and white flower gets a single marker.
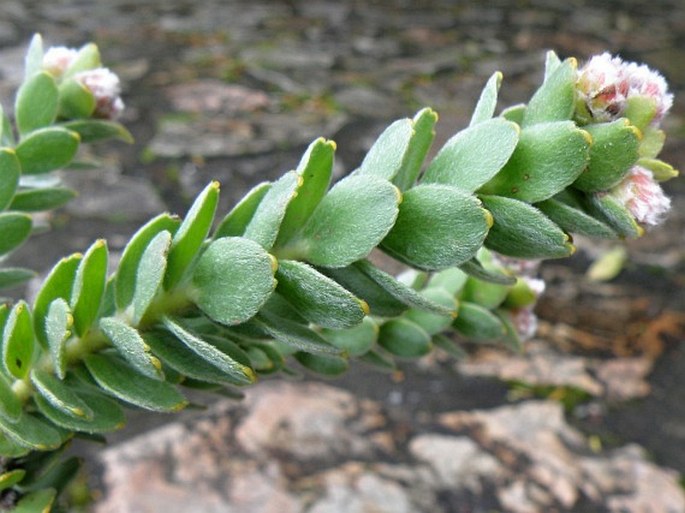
(58, 59)
(106, 88)
(640, 193)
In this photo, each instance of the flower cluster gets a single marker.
(642, 196)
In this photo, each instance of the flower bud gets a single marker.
(58, 59)
(105, 87)
(525, 322)
(642, 196)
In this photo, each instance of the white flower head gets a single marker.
(58, 59)
(640, 193)
(525, 322)
(106, 88)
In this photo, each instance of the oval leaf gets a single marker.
(15, 229)
(10, 170)
(89, 286)
(18, 341)
(59, 395)
(47, 149)
(36, 200)
(150, 274)
(354, 341)
(478, 323)
(386, 156)
(294, 335)
(32, 432)
(485, 108)
(37, 102)
(555, 100)
(574, 220)
(236, 221)
(57, 330)
(404, 338)
(421, 141)
(131, 346)
(91, 130)
(325, 365)
(12, 276)
(10, 406)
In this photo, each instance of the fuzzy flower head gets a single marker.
(525, 322)
(642, 196)
(58, 59)
(105, 87)
(606, 83)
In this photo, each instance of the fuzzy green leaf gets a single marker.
(452, 280)
(150, 274)
(487, 294)
(294, 335)
(379, 361)
(18, 341)
(522, 231)
(552, 63)
(13, 276)
(555, 100)
(475, 268)
(89, 286)
(125, 383)
(92, 130)
(386, 156)
(324, 365)
(404, 338)
(615, 214)
(9, 479)
(236, 221)
(476, 322)
(652, 142)
(662, 171)
(131, 346)
(318, 298)
(433, 323)
(438, 226)
(515, 113)
(350, 221)
(424, 134)
(574, 220)
(485, 108)
(56, 328)
(10, 406)
(32, 432)
(59, 395)
(39, 501)
(233, 279)
(640, 110)
(47, 149)
(10, 171)
(37, 102)
(36, 200)
(354, 341)
(33, 61)
(474, 155)
(87, 58)
(15, 229)
(548, 158)
(75, 100)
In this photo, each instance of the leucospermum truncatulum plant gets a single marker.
(283, 279)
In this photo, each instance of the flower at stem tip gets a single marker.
(642, 196)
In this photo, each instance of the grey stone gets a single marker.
(366, 102)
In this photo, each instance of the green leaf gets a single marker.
(33, 62)
(150, 274)
(127, 272)
(39, 501)
(386, 156)
(522, 231)
(474, 155)
(474, 268)
(652, 142)
(403, 293)
(181, 358)
(6, 130)
(449, 346)
(485, 108)
(37, 102)
(452, 280)
(552, 63)
(88, 58)
(58, 284)
(12, 276)
(56, 328)
(555, 100)
(92, 130)
(55, 477)
(75, 100)
(487, 294)
(47, 149)
(233, 279)
(433, 323)
(574, 220)
(350, 221)
(37, 200)
(404, 338)
(10, 171)
(662, 171)
(548, 158)
(294, 335)
(125, 383)
(318, 298)
(131, 346)
(59, 395)
(10, 406)
(419, 144)
(315, 170)
(236, 221)
(476, 322)
(107, 414)
(191, 234)
(11, 449)
(613, 152)
(640, 110)
(18, 341)
(515, 113)
(9, 479)
(32, 432)
(239, 373)
(378, 361)
(615, 214)
(354, 341)
(325, 365)
(511, 340)
(438, 226)
(89, 286)
(381, 302)
(15, 229)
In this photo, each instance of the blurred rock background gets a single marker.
(589, 419)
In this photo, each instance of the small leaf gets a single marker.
(662, 171)
(87, 58)
(438, 226)
(55, 477)
(125, 383)
(39, 501)
(32, 432)
(474, 155)
(404, 338)
(552, 63)
(58, 284)
(47, 149)
(474, 268)
(452, 280)
(325, 365)
(10, 170)
(449, 346)
(315, 170)
(131, 346)
(59, 395)
(37, 102)
(9, 479)
(487, 294)
(294, 335)
(478, 323)
(574, 220)
(433, 323)
(386, 156)
(57, 330)
(89, 286)
(613, 152)
(13, 276)
(640, 110)
(318, 298)
(150, 274)
(11, 449)
(614, 213)
(37, 200)
(126, 276)
(92, 130)
(608, 265)
(10, 406)
(6, 130)
(378, 361)
(107, 414)
(421, 141)
(514, 113)
(191, 234)
(18, 341)
(234, 277)
(241, 374)
(266, 221)
(485, 108)
(548, 158)
(652, 142)
(555, 100)
(350, 221)
(33, 62)
(354, 341)
(15, 229)
(75, 100)
(236, 221)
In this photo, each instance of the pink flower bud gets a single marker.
(605, 83)
(57, 59)
(642, 196)
(106, 88)
(525, 322)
